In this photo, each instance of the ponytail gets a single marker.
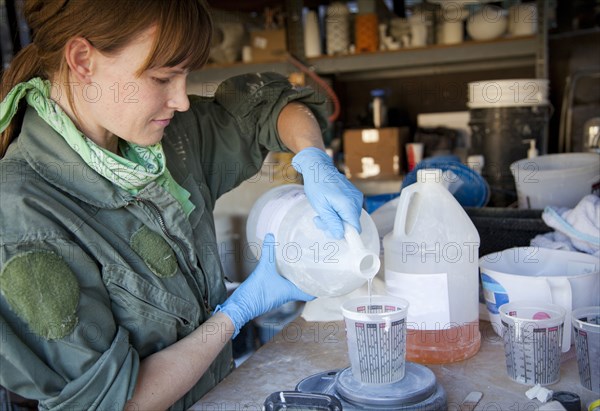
(25, 66)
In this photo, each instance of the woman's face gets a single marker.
(118, 103)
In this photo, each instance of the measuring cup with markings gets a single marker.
(376, 334)
(586, 328)
(533, 340)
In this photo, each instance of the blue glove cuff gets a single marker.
(233, 315)
(308, 159)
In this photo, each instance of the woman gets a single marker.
(111, 289)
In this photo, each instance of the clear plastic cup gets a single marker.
(533, 335)
(586, 329)
(376, 334)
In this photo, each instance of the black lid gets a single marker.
(569, 400)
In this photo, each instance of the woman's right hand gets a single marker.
(263, 291)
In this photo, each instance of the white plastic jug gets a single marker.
(307, 256)
(431, 260)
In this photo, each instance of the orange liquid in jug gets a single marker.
(443, 346)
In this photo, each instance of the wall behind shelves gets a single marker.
(410, 96)
(569, 53)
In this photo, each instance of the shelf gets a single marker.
(205, 80)
(469, 56)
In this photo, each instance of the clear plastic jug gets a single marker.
(307, 256)
(431, 260)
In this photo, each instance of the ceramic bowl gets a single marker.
(488, 23)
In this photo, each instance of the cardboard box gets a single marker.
(375, 152)
(268, 45)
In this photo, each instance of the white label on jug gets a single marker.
(274, 212)
(427, 295)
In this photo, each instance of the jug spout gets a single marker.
(365, 263)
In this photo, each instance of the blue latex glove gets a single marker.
(263, 291)
(330, 193)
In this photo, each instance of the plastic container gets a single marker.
(306, 255)
(555, 180)
(337, 24)
(431, 260)
(586, 326)
(376, 334)
(366, 32)
(567, 278)
(312, 35)
(532, 335)
(524, 92)
(501, 228)
(378, 108)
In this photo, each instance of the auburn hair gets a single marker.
(183, 36)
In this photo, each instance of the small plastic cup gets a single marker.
(586, 329)
(533, 335)
(376, 334)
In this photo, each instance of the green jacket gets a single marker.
(93, 279)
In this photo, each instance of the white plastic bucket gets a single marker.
(567, 278)
(532, 341)
(556, 179)
(508, 93)
(376, 334)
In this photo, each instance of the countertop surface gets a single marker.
(306, 348)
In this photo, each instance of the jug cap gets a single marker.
(429, 175)
(465, 183)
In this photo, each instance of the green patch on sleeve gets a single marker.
(155, 251)
(42, 289)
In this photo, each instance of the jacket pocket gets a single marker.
(154, 317)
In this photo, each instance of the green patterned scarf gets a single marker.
(139, 166)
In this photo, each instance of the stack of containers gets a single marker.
(504, 116)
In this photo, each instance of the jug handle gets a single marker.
(367, 263)
(560, 288)
(401, 213)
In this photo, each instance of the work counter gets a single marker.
(306, 348)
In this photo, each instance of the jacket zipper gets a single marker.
(182, 247)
